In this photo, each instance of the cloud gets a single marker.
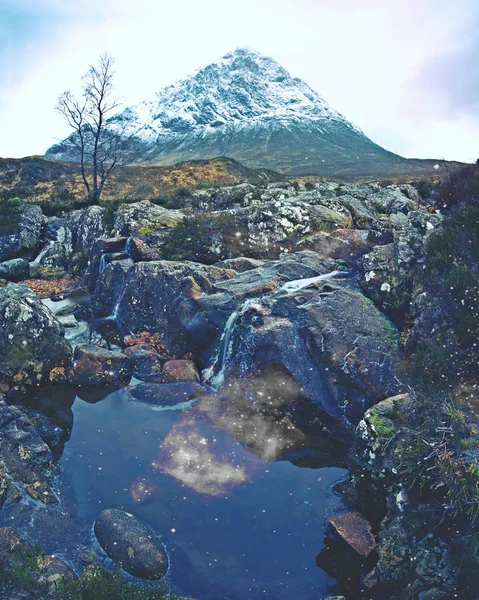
(453, 78)
(376, 62)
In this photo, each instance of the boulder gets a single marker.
(132, 544)
(408, 556)
(32, 340)
(354, 531)
(110, 283)
(332, 340)
(239, 264)
(167, 394)
(180, 370)
(23, 241)
(86, 225)
(93, 365)
(15, 269)
(142, 217)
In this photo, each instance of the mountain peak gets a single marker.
(246, 106)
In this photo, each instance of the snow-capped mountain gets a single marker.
(246, 106)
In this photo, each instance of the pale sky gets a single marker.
(405, 71)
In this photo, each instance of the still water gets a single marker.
(237, 523)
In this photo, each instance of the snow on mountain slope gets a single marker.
(248, 107)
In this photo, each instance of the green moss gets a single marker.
(100, 584)
(382, 426)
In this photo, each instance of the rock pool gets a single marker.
(236, 526)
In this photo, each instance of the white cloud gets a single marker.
(364, 58)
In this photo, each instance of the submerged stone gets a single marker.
(167, 394)
(132, 544)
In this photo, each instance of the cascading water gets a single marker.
(299, 284)
(42, 253)
(215, 374)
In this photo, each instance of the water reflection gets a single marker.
(238, 523)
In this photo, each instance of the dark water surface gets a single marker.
(236, 526)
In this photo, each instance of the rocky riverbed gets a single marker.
(267, 346)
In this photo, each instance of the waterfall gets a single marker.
(214, 375)
(42, 253)
(298, 284)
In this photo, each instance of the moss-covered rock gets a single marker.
(32, 340)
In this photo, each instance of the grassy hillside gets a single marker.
(55, 184)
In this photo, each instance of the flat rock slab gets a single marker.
(96, 366)
(355, 531)
(132, 544)
(167, 394)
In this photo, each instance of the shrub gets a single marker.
(460, 186)
(9, 215)
(204, 238)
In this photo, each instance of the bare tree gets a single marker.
(97, 145)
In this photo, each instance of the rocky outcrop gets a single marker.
(93, 365)
(29, 572)
(32, 340)
(25, 459)
(189, 303)
(411, 553)
(142, 217)
(133, 545)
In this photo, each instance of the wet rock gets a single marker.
(145, 364)
(132, 544)
(32, 340)
(167, 394)
(189, 303)
(355, 532)
(109, 284)
(99, 249)
(332, 340)
(29, 572)
(26, 461)
(15, 269)
(96, 366)
(180, 370)
(144, 216)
